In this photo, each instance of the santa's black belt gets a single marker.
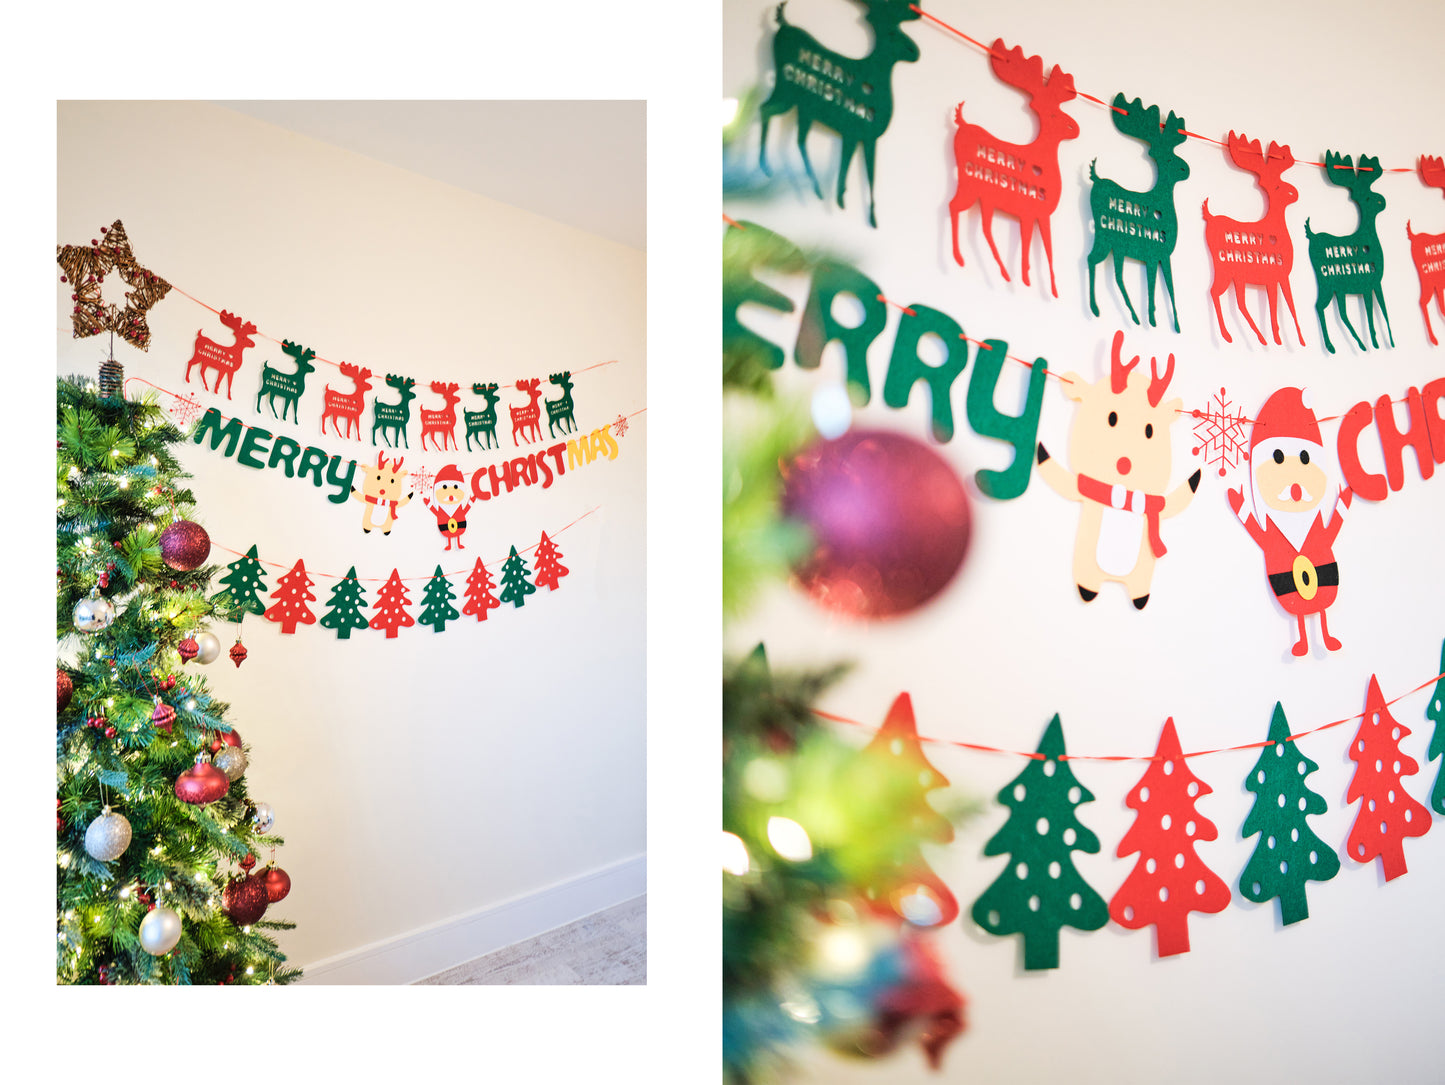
(1301, 580)
(447, 527)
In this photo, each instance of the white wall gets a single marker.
(1350, 994)
(433, 776)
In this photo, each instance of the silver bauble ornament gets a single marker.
(107, 836)
(231, 761)
(94, 613)
(263, 818)
(208, 648)
(160, 930)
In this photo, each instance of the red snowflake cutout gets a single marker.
(1221, 435)
(186, 409)
(620, 426)
(422, 479)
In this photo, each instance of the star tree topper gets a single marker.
(86, 267)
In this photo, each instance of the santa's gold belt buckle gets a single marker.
(1306, 580)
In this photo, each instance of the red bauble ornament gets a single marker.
(238, 653)
(889, 517)
(278, 883)
(163, 716)
(201, 783)
(221, 739)
(244, 900)
(185, 545)
(188, 648)
(63, 690)
(169, 682)
(248, 862)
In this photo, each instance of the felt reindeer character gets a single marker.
(1284, 514)
(381, 493)
(1119, 441)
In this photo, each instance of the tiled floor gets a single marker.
(607, 947)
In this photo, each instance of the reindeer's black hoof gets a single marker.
(1043, 455)
(1194, 481)
(1141, 602)
(367, 530)
(1084, 593)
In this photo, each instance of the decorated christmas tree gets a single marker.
(1288, 852)
(148, 828)
(391, 604)
(1435, 711)
(549, 568)
(344, 608)
(479, 592)
(1168, 880)
(515, 586)
(292, 594)
(1387, 813)
(437, 609)
(1039, 893)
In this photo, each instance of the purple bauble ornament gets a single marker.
(889, 517)
(185, 545)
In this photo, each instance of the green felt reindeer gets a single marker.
(559, 411)
(1352, 264)
(393, 416)
(287, 386)
(1139, 225)
(483, 424)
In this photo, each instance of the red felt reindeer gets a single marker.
(224, 360)
(1022, 181)
(444, 421)
(529, 418)
(1255, 253)
(1428, 250)
(347, 405)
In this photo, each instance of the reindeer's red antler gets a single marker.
(1157, 384)
(1432, 171)
(1118, 372)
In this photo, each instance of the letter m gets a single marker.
(230, 432)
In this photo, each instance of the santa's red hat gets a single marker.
(1284, 422)
(450, 473)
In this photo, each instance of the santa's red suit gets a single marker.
(1304, 578)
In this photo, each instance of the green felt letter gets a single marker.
(830, 279)
(987, 420)
(230, 432)
(906, 368)
(253, 442)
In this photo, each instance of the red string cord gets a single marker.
(1035, 756)
(1107, 105)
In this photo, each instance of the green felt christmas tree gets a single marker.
(1040, 892)
(436, 600)
(515, 586)
(344, 606)
(243, 583)
(1288, 853)
(1435, 712)
(143, 893)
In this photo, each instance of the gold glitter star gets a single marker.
(86, 267)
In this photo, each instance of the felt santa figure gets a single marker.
(446, 505)
(1288, 484)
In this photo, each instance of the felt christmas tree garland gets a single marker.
(244, 583)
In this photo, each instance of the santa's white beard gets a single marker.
(1294, 526)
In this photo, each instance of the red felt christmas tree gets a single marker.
(1387, 814)
(1168, 880)
(549, 569)
(479, 592)
(292, 594)
(390, 607)
(907, 886)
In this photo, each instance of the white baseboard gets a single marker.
(428, 950)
